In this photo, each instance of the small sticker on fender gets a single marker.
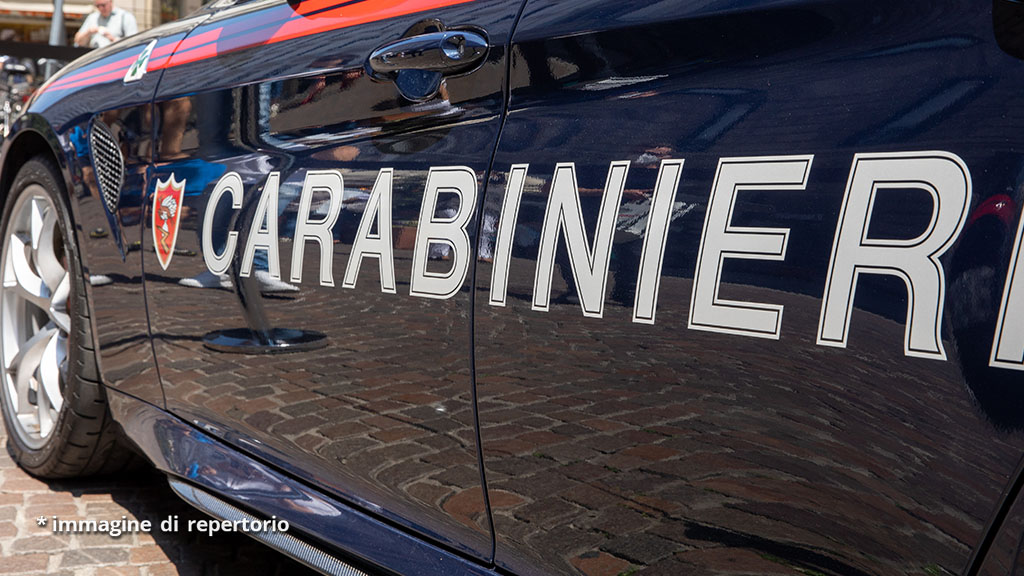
(139, 68)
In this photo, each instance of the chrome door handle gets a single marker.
(447, 52)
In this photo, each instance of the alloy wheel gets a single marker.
(34, 319)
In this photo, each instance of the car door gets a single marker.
(109, 145)
(307, 244)
(746, 282)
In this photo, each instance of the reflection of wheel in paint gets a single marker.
(54, 407)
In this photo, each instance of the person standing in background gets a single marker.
(107, 24)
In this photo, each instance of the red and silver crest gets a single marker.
(167, 204)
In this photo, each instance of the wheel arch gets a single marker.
(33, 136)
(84, 439)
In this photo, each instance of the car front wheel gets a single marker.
(54, 406)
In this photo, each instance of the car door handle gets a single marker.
(447, 52)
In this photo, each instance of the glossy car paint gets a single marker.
(181, 450)
(381, 413)
(607, 444)
(614, 443)
(62, 113)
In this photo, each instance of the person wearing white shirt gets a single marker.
(107, 24)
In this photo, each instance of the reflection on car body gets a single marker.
(661, 287)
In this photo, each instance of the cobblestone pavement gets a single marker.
(26, 548)
(609, 447)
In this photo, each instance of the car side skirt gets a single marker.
(191, 457)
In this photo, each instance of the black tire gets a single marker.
(83, 439)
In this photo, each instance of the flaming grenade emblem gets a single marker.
(166, 216)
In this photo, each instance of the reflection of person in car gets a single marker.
(168, 208)
(106, 25)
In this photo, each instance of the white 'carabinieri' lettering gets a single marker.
(721, 240)
(660, 216)
(329, 181)
(219, 263)
(506, 233)
(367, 245)
(442, 235)
(946, 178)
(1008, 344)
(589, 265)
(448, 231)
(263, 232)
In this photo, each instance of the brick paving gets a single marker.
(384, 411)
(685, 459)
(610, 448)
(661, 450)
(27, 549)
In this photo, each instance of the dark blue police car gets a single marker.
(539, 287)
